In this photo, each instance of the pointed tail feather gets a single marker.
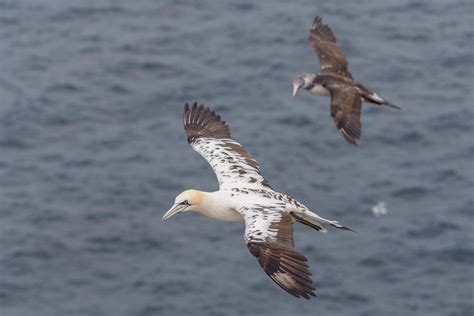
(391, 105)
(315, 221)
(337, 225)
(309, 223)
(374, 98)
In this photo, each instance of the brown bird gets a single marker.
(336, 81)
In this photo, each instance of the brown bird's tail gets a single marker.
(372, 97)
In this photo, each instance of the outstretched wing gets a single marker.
(331, 57)
(345, 109)
(210, 137)
(269, 237)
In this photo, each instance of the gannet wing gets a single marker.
(269, 237)
(345, 110)
(210, 137)
(332, 59)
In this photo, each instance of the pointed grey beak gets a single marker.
(295, 89)
(175, 209)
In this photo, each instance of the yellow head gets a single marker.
(189, 200)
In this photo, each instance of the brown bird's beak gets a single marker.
(175, 209)
(295, 89)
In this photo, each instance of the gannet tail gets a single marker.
(315, 221)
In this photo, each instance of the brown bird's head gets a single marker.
(302, 81)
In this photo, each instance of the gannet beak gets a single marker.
(175, 209)
(295, 89)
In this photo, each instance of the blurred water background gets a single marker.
(92, 153)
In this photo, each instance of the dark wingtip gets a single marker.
(350, 140)
(200, 121)
(317, 20)
(321, 31)
(305, 295)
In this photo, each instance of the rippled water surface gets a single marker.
(92, 152)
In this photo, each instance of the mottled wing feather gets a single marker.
(345, 110)
(210, 137)
(331, 57)
(269, 237)
(200, 122)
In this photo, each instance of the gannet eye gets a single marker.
(185, 202)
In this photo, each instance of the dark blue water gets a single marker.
(92, 153)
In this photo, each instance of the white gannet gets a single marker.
(245, 195)
(336, 81)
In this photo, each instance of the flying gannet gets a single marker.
(245, 195)
(336, 81)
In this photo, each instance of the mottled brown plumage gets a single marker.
(203, 125)
(332, 59)
(336, 81)
(345, 109)
(244, 194)
(283, 264)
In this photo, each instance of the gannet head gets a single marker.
(189, 200)
(302, 81)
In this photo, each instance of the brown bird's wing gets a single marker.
(332, 59)
(269, 237)
(210, 137)
(345, 109)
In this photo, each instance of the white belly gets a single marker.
(320, 90)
